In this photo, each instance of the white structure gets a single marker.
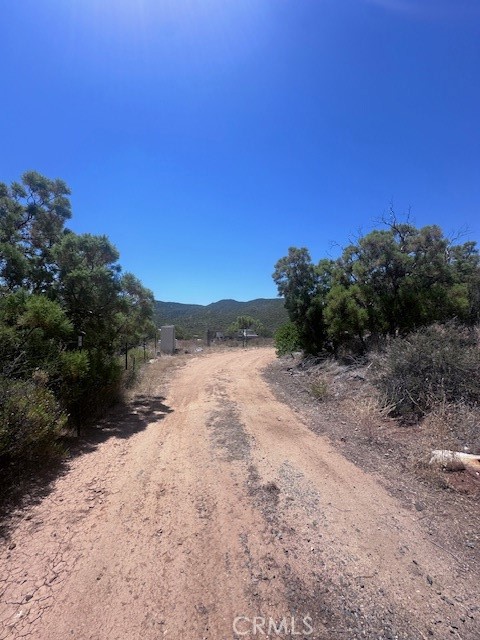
(167, 339)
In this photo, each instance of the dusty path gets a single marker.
(220, 511)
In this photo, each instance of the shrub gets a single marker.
(287, 339)
(437, 364)
(454, 426)
(92, 385)
(320, 389)
(74, 365)
(31, 420)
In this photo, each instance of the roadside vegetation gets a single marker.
(193, 320)
(244, 324)
(66, 311)
(404, 301)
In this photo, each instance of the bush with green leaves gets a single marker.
(98, 387)
(434, 365)
(31, 419)
(287, 339)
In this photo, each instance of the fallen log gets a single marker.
(454, 460)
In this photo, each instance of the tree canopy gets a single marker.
(299, 283)
(55, 286)
(389, 282)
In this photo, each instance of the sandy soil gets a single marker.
(215, 512)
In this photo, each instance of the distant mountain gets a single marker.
(195, 319)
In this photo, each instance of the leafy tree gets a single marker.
(403, 278)
(54, 286)
(244, 323)
(345, 315)
(390, 282)
(33, 332)
(136, 310)
(464, 260)
(89, 286)
(300, 284)
(32, 217)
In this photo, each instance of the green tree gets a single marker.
(345, 315)
(244, 323)
(135, 318)
(31, 421)
(33, 332)
(32, 217)
(89, 284)
(397, 279)
(54, 286)
(287, 339)
(390, 282)
(465, 264)
(300, 285)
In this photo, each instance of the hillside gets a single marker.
(195, 319)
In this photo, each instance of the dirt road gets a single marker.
(216, 513)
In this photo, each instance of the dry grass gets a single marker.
(322, 378)
(369, 415)
(454, 426)
(355, 420)
(320, 388)
(433, 366)
(155, 371)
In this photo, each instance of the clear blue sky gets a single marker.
(205, 137)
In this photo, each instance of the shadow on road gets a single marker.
(21, 486)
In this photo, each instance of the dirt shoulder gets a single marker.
(396, 455)
(215, 511)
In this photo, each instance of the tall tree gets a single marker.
(32, 218)
(135, 317)
(89, 286)
(243, 323)
(300, 285)
(390, 282)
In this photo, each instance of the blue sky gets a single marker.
(205, 137)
